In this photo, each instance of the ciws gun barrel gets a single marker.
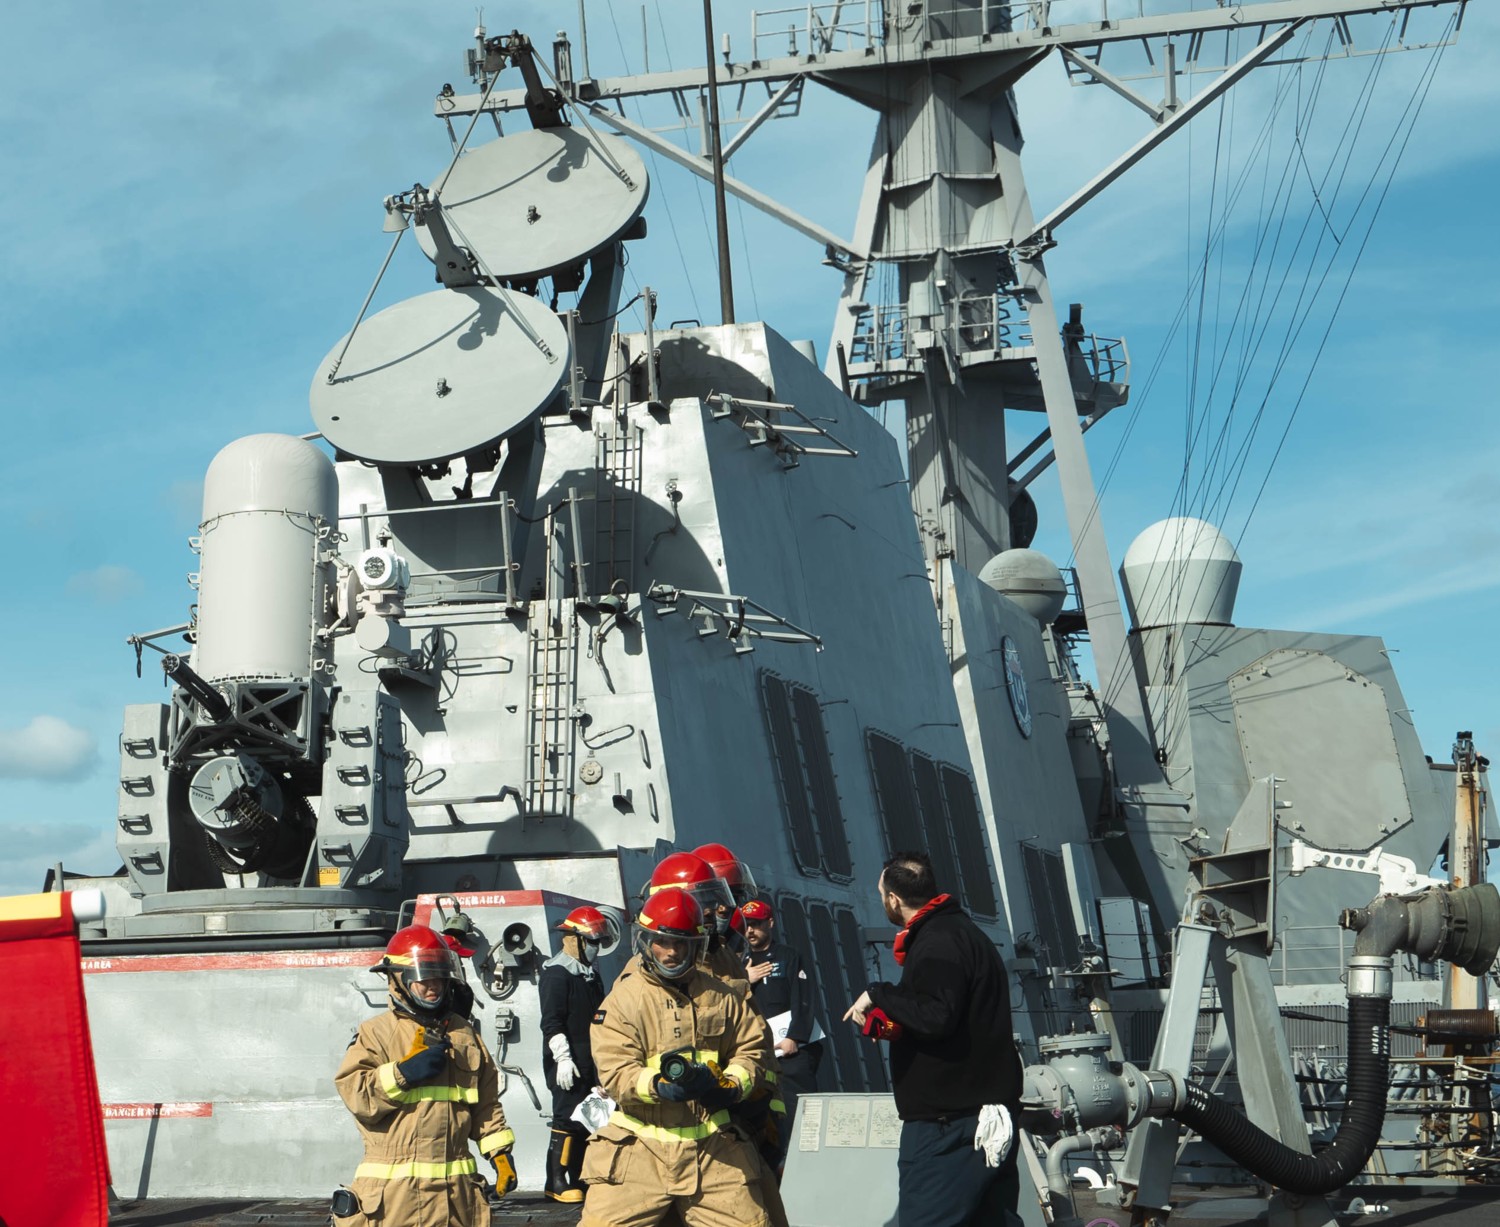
(210, 700)
(1082, 1095)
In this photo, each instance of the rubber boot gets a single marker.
(559, 1188)
(573, 1150)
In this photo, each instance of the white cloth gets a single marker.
(594, 1112)
(994, 1135)
(567, 1068)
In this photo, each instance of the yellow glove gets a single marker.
(505, 1172)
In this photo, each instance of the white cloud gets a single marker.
(32, 848)
(47, 749)
(108, 584)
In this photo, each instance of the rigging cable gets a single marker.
(1304, 304)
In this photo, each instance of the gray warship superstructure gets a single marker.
(566, 595)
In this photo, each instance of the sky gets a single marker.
(196, 217)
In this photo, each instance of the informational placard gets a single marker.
(810, 1135)
(885, 1125)
(848, 1122)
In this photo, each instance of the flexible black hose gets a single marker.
(1359, 1131)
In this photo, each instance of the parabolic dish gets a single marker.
(440, 375)
(539, 200)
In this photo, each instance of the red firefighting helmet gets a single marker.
(734, 872)
(757, 909)
(691, 873)
(671, 912)
(587, 922)
(417, 953)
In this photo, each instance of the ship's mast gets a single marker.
(946, 306)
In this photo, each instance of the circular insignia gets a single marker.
(1015, 684)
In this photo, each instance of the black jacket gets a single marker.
(789, 987)
(569, 1001)
(957, 1052)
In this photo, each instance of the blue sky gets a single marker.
(196, 216)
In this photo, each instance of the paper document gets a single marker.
(782, 1023)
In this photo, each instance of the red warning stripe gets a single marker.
(268, 960)
(154, 1111)
(470, 900)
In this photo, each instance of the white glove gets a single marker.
(567, 1068)
(994, 1134)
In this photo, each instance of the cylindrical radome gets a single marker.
(1179, 571)
(270, 505)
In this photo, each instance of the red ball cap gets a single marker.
(758, 909)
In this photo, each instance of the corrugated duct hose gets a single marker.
(1081, 1088)
(1364, 1112)
(1457, 926)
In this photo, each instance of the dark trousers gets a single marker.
(563, 1103)
(944, 1181)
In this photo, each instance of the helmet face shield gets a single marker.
(428, 965)
(669, 934)
(668, 956)
(731, 870)
(715, 899)
(421, 968)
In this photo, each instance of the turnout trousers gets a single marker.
(944, 1181)
(716, 1182)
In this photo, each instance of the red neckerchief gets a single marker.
(903, 938)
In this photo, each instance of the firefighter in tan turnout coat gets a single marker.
(675, 1049)
(421, 1086)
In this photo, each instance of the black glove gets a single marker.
(719, 1096)
(428, 1063)
(698, 1083)
(671, 1092)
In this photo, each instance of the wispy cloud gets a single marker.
(48, 748)
(32, 848)
(108, 584)
(1459, 581)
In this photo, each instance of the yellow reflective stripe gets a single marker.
(645, 1085)
(490, 1143)
(388, 1082)
(778, 1107)
(741, 1076)
(442, 1094)
(416, 1171)
(661, 1133)
(769, 1075)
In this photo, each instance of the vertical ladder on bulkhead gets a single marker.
(617, 485)
(551, 692)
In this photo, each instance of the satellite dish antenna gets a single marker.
(540, 200)
(439, 375)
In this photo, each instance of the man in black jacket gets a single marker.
(952, 1053)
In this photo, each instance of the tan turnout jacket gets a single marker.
(418, 1169)
(641, 1020)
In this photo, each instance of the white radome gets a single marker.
(1030, 579)
(1181, 571)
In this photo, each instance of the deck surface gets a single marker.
(1471, 1207)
